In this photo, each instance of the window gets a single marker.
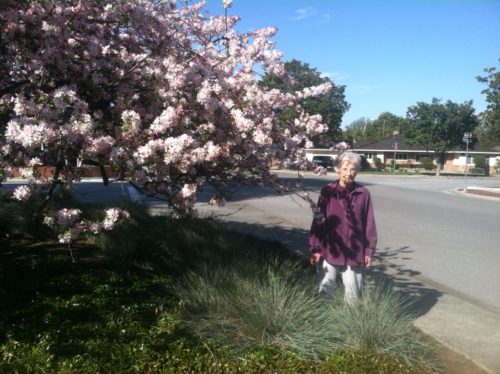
(401, 156)
(370, 156)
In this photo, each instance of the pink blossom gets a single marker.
(213, 151)
(112, 217)
(164, 121)
(242, 123)
(168, 93)
(95, 227)
(145, 152)
(67, 217)
(342, 146)
(22, 193)
(100, 146)
(26, 173)
(49, 221)
(188, 190)
(261, 138)
(35, 161)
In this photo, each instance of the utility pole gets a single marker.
(467, 138)
(394, 134)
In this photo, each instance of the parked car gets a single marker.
(325, 161)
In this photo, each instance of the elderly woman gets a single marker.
(343, 234)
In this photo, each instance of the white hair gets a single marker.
(350, 157)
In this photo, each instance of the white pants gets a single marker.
(352, 277)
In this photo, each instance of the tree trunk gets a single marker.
(438, 169)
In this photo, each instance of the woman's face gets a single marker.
(347, 173)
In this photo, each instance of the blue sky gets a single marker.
(389, 54)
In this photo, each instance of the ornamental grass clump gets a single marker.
(382, 321)
(266, 307)
(249, 304)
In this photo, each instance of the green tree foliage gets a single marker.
(299, 75)
(357, 129)
(439, 127)
(378, 163)
(383, 126)
(489, 129)
(380, 128)
(479, 161)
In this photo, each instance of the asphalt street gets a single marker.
(452, 240)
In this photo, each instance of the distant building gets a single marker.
(396, 148)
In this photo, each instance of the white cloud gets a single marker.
(303, 13)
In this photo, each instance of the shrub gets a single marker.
(427, 163)
(479, 162)
(378, 163)
(476, 171)
(365, 165)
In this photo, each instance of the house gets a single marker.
(405, 155)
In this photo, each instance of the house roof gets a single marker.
(387, 144)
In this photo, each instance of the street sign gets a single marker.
(467, 135)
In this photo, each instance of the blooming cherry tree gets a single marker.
(166, 96)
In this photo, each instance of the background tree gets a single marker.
(298, 76)
(383, 126)
(489, 130)
(479, 161)
(439, 127)
(357, 129)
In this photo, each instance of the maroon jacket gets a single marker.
(347, 233)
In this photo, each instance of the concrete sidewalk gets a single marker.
(481, 192)
(466, 326)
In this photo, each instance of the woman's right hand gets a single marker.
(315, 258)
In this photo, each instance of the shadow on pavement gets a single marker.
(240, 192)
(421, 296)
